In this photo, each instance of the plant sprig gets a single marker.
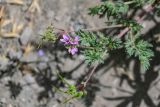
(93, 45)
(71, 90)
(99, 43)
(109, 9)
(139, 48)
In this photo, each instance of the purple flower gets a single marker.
(72, 50)
(66, 39)
(72, 40)
(75, 40)
(40, 52)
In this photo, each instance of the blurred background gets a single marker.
(27, 72)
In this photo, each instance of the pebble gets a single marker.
(26, 36)
(29, 78)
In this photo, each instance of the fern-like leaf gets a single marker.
(141, 49)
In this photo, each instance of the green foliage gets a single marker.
(96, 44)
(141, 49)
(132, 24)
(143, 2)
(71, 90)
(49, 34)
(140, 2)
(134, 45)
(158, 10)
(113, 43)
(94, 49)
(116, 9)
(109, 9)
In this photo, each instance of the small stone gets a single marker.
(26, 35)
(42, 66)
(14, 54)
(3, 100)
(29, 57)
(9, 105)
(29, 78)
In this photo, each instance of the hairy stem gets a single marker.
(92, 29)
(129, 2)
(90, 75)
(86, 47)
(102, 28)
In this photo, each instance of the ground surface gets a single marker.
(30, 83)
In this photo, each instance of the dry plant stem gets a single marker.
(90, 75)
(59, 29)
(125, 30)
(129, 2)
(102, 28)
(86, 47)
(38, 61)
(93, 29)
(93, 70)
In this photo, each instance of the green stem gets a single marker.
(129, 2)
(86, 47)
(62, 79)
(57, 89)
(68, 99)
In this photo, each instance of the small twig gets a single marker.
(129, 2)
(59, 29)
(86, 47)
(92, 29)
(36, 61)
(63, 80)
(90, 75)
(93, 70)
(102, 28)
(148, 8)
(123, 32)
(68, 99)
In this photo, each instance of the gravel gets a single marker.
(27, 80)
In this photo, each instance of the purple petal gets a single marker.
(66, 37)
(75, 49)
(76, 38)
(40, 52)
(75, 41)
(72, 50)
(69, 50)
(62, 40)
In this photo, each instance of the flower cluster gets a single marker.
(71, 41)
